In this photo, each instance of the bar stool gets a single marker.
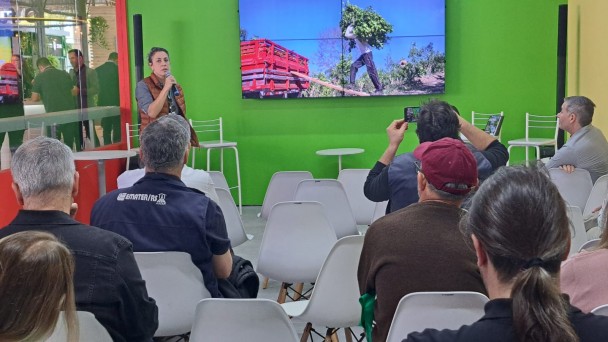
(215, 126)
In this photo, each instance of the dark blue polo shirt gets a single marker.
(160, 213)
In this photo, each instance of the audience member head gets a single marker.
(437, 120)
(165, 143)
(582, 107)
(44, 174)
(36, 284)
(76, 58)
(447, 170)
(43, 62)
(521, 234)
(113, 56)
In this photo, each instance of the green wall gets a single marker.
(500, 56)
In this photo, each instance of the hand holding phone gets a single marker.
(410, 114)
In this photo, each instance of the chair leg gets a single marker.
(298, 287)
(208, 159)
(265, 283)
(238, 179)
(331, 335)
(193, 157)
(348, 334)
(282, 293)
(306, 332)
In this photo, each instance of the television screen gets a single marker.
(331, 48)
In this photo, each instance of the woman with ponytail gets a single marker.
(520, 231)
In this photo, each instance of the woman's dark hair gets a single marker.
(520, 219)
(437, 120)
(155, 50)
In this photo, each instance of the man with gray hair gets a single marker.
(160, 213)
(107, 281)
(587, 147)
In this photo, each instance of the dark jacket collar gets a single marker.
(43, 217)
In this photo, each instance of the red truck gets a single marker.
(266, 70)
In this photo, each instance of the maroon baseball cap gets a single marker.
(448, 165)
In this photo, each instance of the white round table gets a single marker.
(101, 157)
(340, 152)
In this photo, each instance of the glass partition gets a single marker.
(58, 62)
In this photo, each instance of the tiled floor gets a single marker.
(249, 250)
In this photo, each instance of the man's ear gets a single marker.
(76, 185)
(482, 256)
(17, 192)
(421, 182)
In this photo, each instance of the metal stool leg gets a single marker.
(238, 178)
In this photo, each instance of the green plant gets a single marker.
(97, 31)
(368, 26)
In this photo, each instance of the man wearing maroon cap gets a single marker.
(420, 248)
(393, 177)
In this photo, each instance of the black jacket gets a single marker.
(107, 281)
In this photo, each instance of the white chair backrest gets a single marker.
(480, 120)
(132, 133)
(282, 188)
(536, 124)
(234, 224)
(89, 328)
(219, 319)
(438, 310)
(331, 194)
(574, 187)
(578, 234)
(601, 310)
(589, 244)
(380, 210)
(353, 181)
(598, 193)
(208, 128)
(176, 284)
(334, 301)
(297, 239)
(219, 180)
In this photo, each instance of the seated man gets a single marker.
(107, 281)
(394, 178)
(420, 248)
(587, 147)
(193, 178)
(160, 213)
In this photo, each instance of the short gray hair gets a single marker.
(164, 143)
(43, 165)
(582, 106)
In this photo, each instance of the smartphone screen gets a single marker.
(410, 114)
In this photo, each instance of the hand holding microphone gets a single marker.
(173, 87)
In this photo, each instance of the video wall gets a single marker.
(335, 48)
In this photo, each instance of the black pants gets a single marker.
(368, 60)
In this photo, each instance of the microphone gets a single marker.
(174, 87)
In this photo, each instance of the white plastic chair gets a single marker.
(176, 284)
(219, 181)
(601, 310)
(353, 181)
(234, 224)
(438, 310)
(254, 320)
(334, 302)
(380, 210)
(331, 194)
(577, 229)
(574, 187)
(589, 244)
(297, 239)
(282, 188)
(132, 132)
(89, 328)
(536, 123)
(216, 127)
(597, 195)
